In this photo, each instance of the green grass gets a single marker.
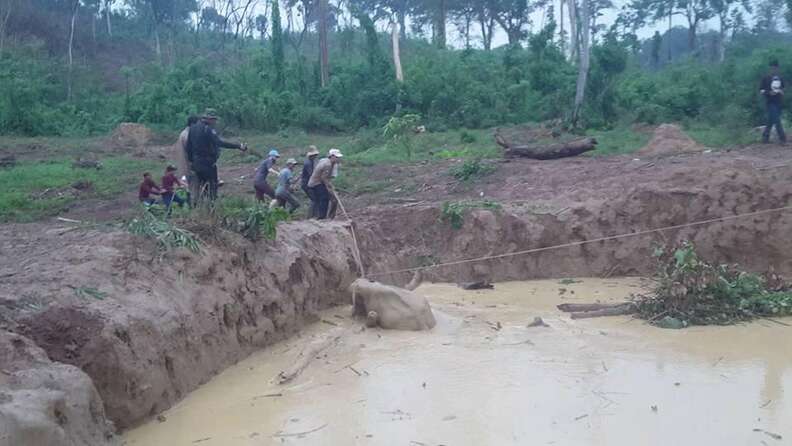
(617, 141)
(722, 137)
(24, 182)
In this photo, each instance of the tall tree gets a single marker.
(695, 12)
(439, 23)
(7, 7)
(277, 47)
(727, 13)
(75, 7)
(324, 62)
(513, 16)
(108, 12)
(387, 10)
(463, 13)
(584, 60)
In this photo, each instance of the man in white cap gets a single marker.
(320, 183)
(283, 191)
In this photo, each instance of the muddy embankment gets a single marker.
(144, 331)
(90, 314)
(397, 238)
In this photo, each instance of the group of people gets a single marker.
(316, 180)
(197, 152)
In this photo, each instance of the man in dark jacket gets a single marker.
(203, 151)
(307, 171)
(772, 88)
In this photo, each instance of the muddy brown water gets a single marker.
(481, 377)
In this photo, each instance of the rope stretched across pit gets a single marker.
(585, 242)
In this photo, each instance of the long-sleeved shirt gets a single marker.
(771, 95)
(180, 152)
(322, 173)
(307, 171)
(203, 144)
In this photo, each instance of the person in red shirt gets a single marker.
(169, 183)
(147, 189)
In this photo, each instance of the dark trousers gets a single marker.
(774, 119)
(168, 198)
(206, 181)
(322, 203)
(312, 205)
(263, 190)
(287, 198)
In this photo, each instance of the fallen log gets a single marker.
(615, 311)
(548, 152)
(307, 355)
(574, 308)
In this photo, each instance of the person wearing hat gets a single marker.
(203, 151)
(260, 180)
(307, 170)
(321, 185)
(283, 191)
(169, 183)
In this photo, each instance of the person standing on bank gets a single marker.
(283, 192)
(307, 170)
(260, 180)
(321, 184)
(203, 151)
(772, 88)
(180, 156)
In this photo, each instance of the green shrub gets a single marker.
(454, 212)
(471, 169)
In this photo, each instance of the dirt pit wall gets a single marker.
(148, 329)
(396, 238)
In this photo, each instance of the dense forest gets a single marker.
(79, 67)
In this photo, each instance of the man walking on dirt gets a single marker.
(321, 185)
(307, 171)
(203, 151)
(772, 88)
(266, 167)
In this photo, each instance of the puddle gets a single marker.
(481, 377)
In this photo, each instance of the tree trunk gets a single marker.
(69, 80)
(396, 52)
(692, 36)
(4, 17)
(107, 17)
(561, 27)
(324, 63)
(573, 31)
(440, 24)
(584, 61)
(668, 34)
(583, 311)
(722, 38)
(157, 46)
(546, 152)
(486, 23)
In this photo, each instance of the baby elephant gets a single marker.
(391, 307)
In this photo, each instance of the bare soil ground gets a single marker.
(147, 329)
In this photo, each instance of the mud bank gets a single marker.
(482, 377)
(148, 330)
(395, 238)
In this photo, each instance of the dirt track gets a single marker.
(164, 326)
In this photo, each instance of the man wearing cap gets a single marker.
(321, 185)
(260, 180)
(203, 151)
(180, 155)
(283, 191)
(308, 168)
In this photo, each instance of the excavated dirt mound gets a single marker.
(46, 403)
(148, 329)
(129, 134)
(575, 200)
(669, 139)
